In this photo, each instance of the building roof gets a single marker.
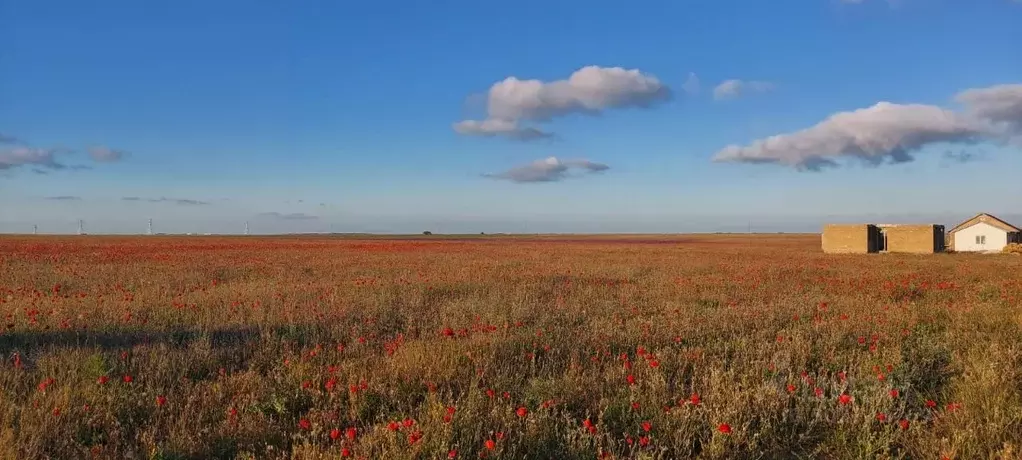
(986, 219)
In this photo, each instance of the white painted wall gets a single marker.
(965, 239)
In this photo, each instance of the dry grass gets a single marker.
(553, 347)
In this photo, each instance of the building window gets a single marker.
(981, 239)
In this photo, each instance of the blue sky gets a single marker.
(323, 115)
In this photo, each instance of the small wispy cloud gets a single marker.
(16, 153)
(548, 170)
(961, 156)
(178, 201)
(21, 155)
(105, 154)
(890, 3)
(734, 88)
(288, 216)
(496, 127)
(188, 202)
(63, 198)
(691, 85)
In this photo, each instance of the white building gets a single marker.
(984, 233)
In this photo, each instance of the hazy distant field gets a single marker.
(553, 347)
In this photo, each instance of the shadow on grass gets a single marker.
(109, 339)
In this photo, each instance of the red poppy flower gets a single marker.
(45, 383)
(724, 428)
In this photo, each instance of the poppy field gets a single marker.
(710, 346)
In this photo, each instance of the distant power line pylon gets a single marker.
(149, 230)
(35, 229)
(81, 227)
(246, 228)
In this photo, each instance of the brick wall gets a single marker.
(914, 239)
(848, 239)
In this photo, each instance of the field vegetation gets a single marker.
(559, 347)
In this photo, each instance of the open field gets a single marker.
(545, 347)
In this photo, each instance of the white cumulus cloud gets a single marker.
(885, 131)
(1000, 105)
(589, 90)
(548, 170)
(892, 132)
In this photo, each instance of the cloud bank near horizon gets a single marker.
(287, 216)
(178, 201)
